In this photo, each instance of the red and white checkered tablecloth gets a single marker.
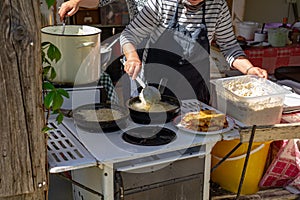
(284, 169)
(271, 58)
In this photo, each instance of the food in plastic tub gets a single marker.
(250, 99)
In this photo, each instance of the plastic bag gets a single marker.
(284, 169)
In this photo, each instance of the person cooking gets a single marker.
(180, 33)
(69, 8)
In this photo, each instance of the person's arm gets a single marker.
(232, 51)
(138, 29)
(70, 7)
(133, 63)
(246, 67)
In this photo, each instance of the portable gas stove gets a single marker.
(128, 167)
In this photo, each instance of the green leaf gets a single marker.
(52, 73)
(63, 93)
(50, 3)
(45, 44)
(49, 98)
(57, 101)
(46, 129)
(59, 118)
(53, 53)
(54, 98)
(48, 86)
(46, 70)
(55, 111)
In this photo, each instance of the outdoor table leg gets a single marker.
(246, 161)
(225, 157)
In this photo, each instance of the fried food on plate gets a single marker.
(204, 121)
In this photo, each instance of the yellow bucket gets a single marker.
(228, 174)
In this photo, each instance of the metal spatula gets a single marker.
(63, 26)
(149, 94)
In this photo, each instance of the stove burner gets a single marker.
(149, 136)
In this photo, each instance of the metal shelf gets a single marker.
(65, 152)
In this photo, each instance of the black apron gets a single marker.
(183, 58)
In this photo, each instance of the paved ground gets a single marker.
(60, 189)
(217, 193)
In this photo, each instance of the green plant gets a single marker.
(50, 3)
(53, 97)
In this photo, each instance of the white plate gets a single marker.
(181, 127)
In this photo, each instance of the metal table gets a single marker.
(66, 152)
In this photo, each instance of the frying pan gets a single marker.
(288, 72)
(160, 117)
(99, 126)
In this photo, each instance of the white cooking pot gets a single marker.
(80, 49)
(246, 29)
(278, 37)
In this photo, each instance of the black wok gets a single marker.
(99, 126)
(158, 117)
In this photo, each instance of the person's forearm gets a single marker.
(88, 3)
(133, 64)
(242, 64)
(69, 8)
(246, 67)
(130, 52)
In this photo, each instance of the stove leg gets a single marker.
(206, 181)
(108, 182)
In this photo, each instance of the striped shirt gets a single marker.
(133, 6)
(152, 20)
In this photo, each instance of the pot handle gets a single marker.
(86, 44)
(162, 85)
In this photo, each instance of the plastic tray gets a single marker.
(263, 107)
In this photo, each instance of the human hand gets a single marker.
(68, 9)
(257, 71)
(133, 67)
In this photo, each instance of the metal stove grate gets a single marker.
(65, 152)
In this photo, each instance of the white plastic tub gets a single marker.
(250, 99)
